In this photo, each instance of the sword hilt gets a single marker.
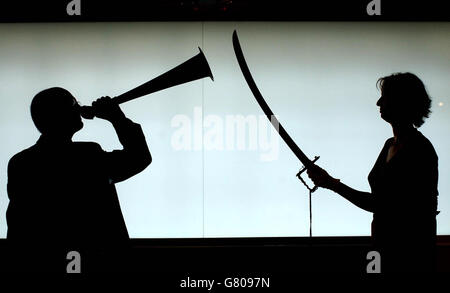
(303, 169)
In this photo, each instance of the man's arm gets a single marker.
(135, 155)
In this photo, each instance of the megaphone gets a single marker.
(195, 68)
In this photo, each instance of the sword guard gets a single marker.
(303, 169)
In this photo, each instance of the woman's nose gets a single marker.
(379, 102)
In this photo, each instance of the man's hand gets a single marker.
(321, 178)
(104, 108)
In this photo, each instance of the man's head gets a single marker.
(56, 112)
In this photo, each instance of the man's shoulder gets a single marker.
(23, 155)
(35, 151)
(88, 149)
(87, 145)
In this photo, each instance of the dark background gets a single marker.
(218, 10)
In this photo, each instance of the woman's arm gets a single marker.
(321, 178)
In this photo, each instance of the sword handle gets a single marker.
(303, 169)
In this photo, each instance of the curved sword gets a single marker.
(262, 103)
(307, 163)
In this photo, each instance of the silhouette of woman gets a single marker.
(403, 181)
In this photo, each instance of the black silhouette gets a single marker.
(263, 104)
(403, 181)
(192, 69)
(62, 194)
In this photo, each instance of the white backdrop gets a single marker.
(319, 78)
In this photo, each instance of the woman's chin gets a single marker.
(385, 117)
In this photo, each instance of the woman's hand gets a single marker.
(321, 178)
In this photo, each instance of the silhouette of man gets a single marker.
(403, 181)
(62, 194)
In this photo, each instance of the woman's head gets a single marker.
(404, 99)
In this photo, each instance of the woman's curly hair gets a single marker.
(409, 94)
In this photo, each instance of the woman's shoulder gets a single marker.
(388, 142)
(423, 145)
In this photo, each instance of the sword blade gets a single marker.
(262, 103)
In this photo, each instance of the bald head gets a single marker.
(55, 111)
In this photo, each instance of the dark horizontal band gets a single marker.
(217, 10)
